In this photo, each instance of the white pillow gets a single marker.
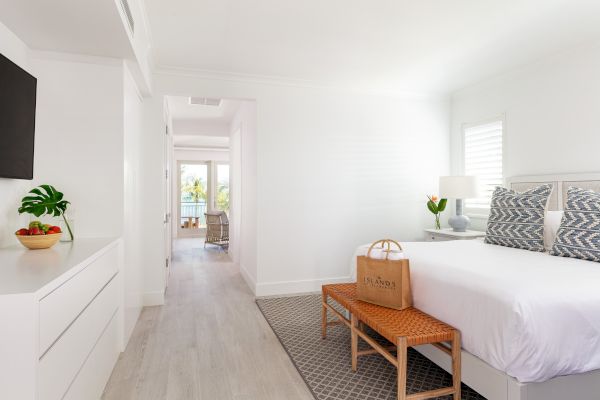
(551, 225)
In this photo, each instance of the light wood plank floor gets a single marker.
(209, 341)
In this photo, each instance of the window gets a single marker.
(483, 158)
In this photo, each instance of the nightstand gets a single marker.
(438, 235)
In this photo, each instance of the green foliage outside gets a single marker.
(196, 189)
(223, 197)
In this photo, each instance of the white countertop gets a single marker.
(28, 271)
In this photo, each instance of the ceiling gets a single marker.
(196, 125)
(387, 45)
(80, 27)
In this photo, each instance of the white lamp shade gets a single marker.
(459, 187)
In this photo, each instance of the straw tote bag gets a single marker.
(383, 281)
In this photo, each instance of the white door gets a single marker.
(235, 215)
(168, 196)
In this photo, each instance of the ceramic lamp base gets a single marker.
(459, 222)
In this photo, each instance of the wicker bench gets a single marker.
(405, 328)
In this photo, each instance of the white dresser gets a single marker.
(60, 331)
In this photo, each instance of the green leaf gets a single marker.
(442, 205)
(36, 191)
(432, 207)
(49, 201)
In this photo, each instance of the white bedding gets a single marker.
(529, 314)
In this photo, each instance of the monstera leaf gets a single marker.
(43, 200)
(46, 200)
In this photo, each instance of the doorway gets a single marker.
(212, 151)
(203, 187)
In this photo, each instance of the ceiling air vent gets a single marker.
(127, 11)
(205, 101)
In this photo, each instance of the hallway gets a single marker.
(209, 340)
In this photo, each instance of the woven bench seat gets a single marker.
(403, 328)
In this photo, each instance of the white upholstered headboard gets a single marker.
(561, 184)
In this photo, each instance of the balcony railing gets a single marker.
(192, 215)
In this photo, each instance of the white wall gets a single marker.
(141, 68)
(235, 198)
(333, 170)
(12, 190)
(243, 196)
(336, 170)
(79, 138)
(78, 144)
(132, 233)
(551, 114)
(200, 155)
(200, 127)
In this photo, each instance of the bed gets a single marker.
(530, 321)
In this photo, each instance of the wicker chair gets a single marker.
(217, 229)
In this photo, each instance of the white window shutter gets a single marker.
(483, 158)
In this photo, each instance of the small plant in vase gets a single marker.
(46, 200)
(436, 206)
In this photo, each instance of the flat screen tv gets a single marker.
(17, 120)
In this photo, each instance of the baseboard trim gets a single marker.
(295, 287)
(248, 279)
(154, 299)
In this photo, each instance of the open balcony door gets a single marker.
(194, 192)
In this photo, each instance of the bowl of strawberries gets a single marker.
(39, 235)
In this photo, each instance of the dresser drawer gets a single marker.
(62, 362)
(436, 238)
(91, 379)
(63, 305)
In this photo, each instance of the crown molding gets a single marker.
(268, 80)
(75, 58)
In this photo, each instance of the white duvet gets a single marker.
(529, 314)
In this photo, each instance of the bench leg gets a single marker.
(456, 365)
(354, 341)
(324, 317)
(402, 366)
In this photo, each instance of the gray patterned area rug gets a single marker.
(325, 364)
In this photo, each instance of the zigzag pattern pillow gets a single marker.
(517, 219)
(579, 232)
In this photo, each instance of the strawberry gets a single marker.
(56, 229)
(35, 231)
(23, 232)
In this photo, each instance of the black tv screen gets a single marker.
(17, 120)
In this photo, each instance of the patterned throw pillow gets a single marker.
(517, 219)
(579, 232)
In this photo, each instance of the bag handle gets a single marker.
(384, 242)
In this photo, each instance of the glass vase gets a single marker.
(437, 222)
(60, 222)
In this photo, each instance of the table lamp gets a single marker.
(459, 188)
